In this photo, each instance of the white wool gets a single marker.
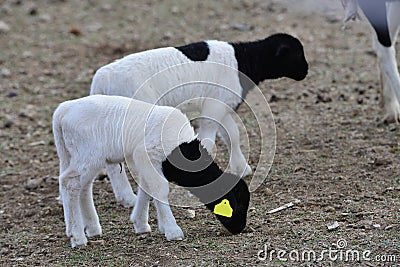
(102, 131)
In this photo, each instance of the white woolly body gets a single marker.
(101, 131)
(130, 76)
(97, 122)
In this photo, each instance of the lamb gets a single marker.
(97, 131)
(385, 20)
(156, 76)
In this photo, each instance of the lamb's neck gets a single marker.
(252, 60)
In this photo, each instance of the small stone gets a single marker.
(12, 94)
(174, 10)
(106, 7)
(167, 36)
(242, 27)
(5, 72)
(44, 18)
(33, 10)
(27, 54)
(330, 209)
(191, 214)
(95, 27)
(8, 123)
(75, 31)
(33, 183)
(333, 226)
(4, 28)
(268, 192)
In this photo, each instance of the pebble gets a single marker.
(12, 94)
(5, 72)
(44, 18)
(330, 209)
(242, 27)
(4, 28)
(33, 183)
(268, 192)
(8, 123)
(191, 214)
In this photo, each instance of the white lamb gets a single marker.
(212, 77)
(97, 131)
(384, 16)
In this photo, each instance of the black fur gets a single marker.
(190, 166)
(195, 51)
(375, 11)
(279, 55)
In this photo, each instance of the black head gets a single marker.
(190, 166)
(287, 55)
(239, 198)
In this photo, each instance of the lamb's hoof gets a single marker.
(174, 234)
(142, 228)
(59, 199)
(127, 201)
(242, 173)
(78, 241)
(247, 171)
(93, 230)
(389, 119)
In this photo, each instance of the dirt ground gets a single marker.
(332, 154)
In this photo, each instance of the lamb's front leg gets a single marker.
(152, 181)
(166, 221)
(140, 213)
(212, 113)
(119, 181)
(229, 132)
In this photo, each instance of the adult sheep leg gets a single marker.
(229, 133)
(390, 80)
(119, 181)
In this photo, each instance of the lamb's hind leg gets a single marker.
(89, 214)
(152, 181)
(119, 181)
(70, 190)
(229, 133)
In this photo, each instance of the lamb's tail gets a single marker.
(59, 141)
(100, 83)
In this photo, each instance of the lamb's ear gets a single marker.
(282, 50)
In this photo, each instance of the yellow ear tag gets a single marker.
(223, 208)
